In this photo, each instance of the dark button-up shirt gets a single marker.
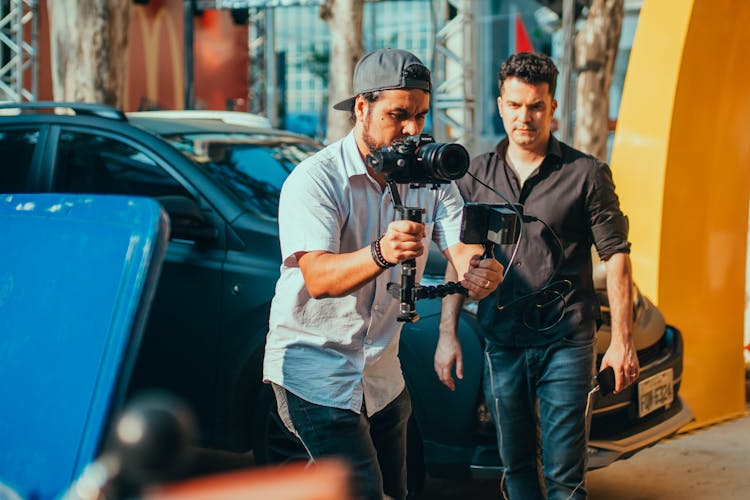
(568, 203)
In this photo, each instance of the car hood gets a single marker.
(648, 322)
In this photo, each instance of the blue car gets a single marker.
(77, 275)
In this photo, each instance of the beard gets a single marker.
(371, 143)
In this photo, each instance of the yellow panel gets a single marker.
(681, 159)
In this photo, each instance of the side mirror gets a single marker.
(187, 222)
(152, 441)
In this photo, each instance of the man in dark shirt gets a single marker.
(540, 322)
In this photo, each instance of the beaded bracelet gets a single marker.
(377, 254)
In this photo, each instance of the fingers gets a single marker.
(443, 372)
(402, 241)
(448, 381)
(628, 375)
(625, 375)
(447, 354)
(407, 227)
(483, 277)
(460, 368)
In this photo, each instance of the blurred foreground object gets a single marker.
(150, 442)
(324, 480)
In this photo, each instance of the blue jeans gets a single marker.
(374, 447)
(557, 378)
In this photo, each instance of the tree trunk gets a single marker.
(89, 40)
(344, 19)
(596, 49)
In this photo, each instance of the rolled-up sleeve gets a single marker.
(609, 226)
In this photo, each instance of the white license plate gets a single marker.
(655, 392)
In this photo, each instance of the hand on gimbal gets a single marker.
(483, 277)
(402, 241)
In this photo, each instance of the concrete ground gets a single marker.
(711, 463)
(708, 463)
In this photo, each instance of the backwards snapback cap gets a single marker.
(385, 69)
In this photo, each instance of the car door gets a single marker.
(20, 149)
(179, 348)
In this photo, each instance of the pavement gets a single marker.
(709, 463)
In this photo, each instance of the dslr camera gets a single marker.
(419, 160)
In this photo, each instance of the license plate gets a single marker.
(655, 392)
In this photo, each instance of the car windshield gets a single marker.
(252, 168)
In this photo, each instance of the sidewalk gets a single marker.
(709, 463)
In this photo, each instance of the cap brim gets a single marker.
(345, 105)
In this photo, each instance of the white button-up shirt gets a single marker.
(340, 351)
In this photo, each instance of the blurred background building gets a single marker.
(273, 57)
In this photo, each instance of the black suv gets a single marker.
(219, 183)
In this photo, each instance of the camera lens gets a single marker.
(445, 161)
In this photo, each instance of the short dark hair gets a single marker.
(529, 67)
(414, 71)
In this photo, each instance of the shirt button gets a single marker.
(368, 342)
(518, 264)
(376, 308)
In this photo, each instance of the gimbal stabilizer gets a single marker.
(408, 291)
(418, 161)
(482, 224)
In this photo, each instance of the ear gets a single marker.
(500, 105)
(554, 106)
(360, 108)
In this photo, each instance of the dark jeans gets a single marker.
(557, 378)
(374, 447)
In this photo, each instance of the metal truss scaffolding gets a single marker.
(263, 94)
(454, 94)
(18, 50)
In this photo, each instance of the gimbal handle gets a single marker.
(409, 291)
(407, 295)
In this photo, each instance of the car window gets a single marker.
(252, 168)
(88, 163)
(16, 150)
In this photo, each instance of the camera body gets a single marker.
(419, 160)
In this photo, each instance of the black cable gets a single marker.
(548, 287)
(513, 207)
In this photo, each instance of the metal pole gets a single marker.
(17, 27)
(567, 105)
(34, 49)
(272, 107)
(189, 72)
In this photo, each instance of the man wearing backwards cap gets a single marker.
(332, 346)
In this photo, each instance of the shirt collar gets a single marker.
(553, 147)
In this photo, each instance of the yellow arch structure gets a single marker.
(681, 160)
